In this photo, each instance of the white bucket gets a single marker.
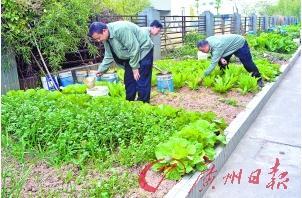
(92, 73)
(81, 75)
(202, 56)
(98, 91)
(90, 82)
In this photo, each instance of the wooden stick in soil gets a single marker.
(44, 64)
(38, 63)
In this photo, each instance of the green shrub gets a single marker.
(247, 84)
(77, 128)
(272, 42)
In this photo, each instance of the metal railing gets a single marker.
(223, 25)
(175, 29)
(260, 23)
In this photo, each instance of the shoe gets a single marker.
(260, 83)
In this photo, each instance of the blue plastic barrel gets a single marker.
(110, 77)
(66, 79)
(251, 32)
(165, 83)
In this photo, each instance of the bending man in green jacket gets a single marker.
(132, 49)
(222, 47)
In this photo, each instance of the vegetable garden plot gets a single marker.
(188, 73)
(105, 131)
(106, 141)
(214, 91)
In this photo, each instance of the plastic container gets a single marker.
(90, 82)
(98, 91)
(48, 83)
(109, 77)
(165, 82)
(92, 73)
(66, 79)
(81, 75)
(202, 56)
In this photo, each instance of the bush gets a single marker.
(293, 30)
(59, 26)
(192, 38)
(272, 42)
(189, 49)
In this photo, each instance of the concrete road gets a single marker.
(275, 133)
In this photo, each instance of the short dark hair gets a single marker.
(96, 27)
(202, 43)
(157, 24)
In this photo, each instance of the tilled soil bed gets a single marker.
(205, 100)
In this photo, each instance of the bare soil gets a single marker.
(153, 179)
(38, 179)
(205, 100)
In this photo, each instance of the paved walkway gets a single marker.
(274, 134)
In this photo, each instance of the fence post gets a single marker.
(237, 23)
(266, 23)
(253, 22)
(152, 15)
(274, 21)
(209, 17)
(201, 23)
(9, 73)
(183, 28)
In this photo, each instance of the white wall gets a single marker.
(161, 4)
(227, 6)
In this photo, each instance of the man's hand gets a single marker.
(223, 61)
(136, 74)
(98, 74)
(206, 73)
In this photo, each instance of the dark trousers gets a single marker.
(245, 57)
(143, 85)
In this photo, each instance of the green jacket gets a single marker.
(222, 46)
(128, 41)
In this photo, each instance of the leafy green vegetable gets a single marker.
(77, 128)
(209, 81)
(75, 89)
(268, 71)
(115, 89)
(272, 42)
(247, 84)
(224, 83)
(230, 101)
(187, 149)
(189, 73)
